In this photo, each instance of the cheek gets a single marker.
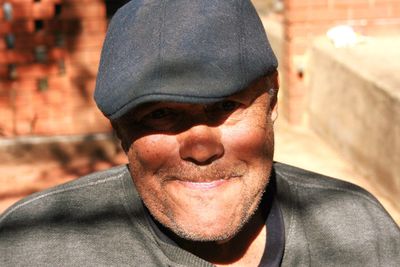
(150, 152)
(250, 140)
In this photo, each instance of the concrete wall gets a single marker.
(354, 104)
(306, 19)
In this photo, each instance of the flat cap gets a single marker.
(195, 51)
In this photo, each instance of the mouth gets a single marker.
(203, 179)
(208, 184)
(203, 185)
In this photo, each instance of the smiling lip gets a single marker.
(203, 185)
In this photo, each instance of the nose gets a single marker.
(201, 145)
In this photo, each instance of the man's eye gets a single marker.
(163, 119)
(160, 113)
(228, 106)
(223, 110)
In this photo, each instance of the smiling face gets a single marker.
(201, 170)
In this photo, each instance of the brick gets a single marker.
(365, 27)
(25, 118)
(306, 30)
(356, 3)
(24, 57)
(83, 71)
(294, 4)
(78, 120)
(37, 70)
(77, 26)
(94, 25)
(27, 41)
(23, 102)
(21, 26)
(58, 90)
(7, 86)
(43, 1)
(94, 40)
(60, 83)
(377, 12)
(19, 10)
(7, 57)
(89, 56)
(3, 74)
(89, 10)
(316, 14)
(43, 10)
(53, 126)
(46, 9)
(6, 99)
(6, 122)
(90, 119)
(56, 54)
(28, 90)
(80, 96)
(352, 3)
(297, 46)
(67, 27)
(342, 12)
(75, 2)
(382, 27)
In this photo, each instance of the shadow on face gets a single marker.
(173, 118)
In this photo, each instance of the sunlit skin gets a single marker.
(201, 170)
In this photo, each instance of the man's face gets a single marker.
(201, 169)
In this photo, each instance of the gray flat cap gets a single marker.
(195, 51)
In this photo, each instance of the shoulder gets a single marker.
(96, 220)
(334, 221)
(304, 181)
(312, 191)
(72, 196)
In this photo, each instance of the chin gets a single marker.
(219, 228)
(217, 234)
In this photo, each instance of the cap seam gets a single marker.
(161, 43)
(241, 42)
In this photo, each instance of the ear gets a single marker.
(274, 89)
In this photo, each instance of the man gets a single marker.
(190, 88)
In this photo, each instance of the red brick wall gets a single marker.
(47, 75)
(305, 19)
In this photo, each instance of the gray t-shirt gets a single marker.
(99, 220)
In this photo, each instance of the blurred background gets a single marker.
(339, 111)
